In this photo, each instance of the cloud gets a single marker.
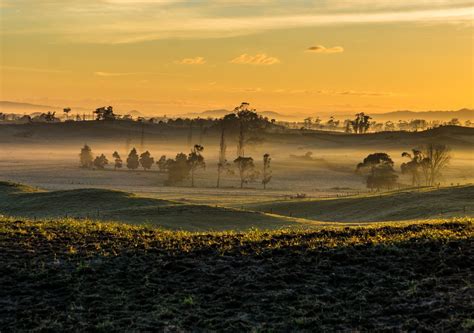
(325, 50)
(108, 74)
(258, 59)
(191, 61)
(133, 21)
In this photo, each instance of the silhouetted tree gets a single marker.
(118, 161)
(66, 111)
(196, 161)
(86, 157)
(248, 122)
(222, 164)
(133, 160)
(436, 158)
(105, 113)
(162, 164)
(100, 162)
(146, 161)
(267, 171)
(361, 123)
(380, 172)
(413, 167)
(178, 169)
(246, 169)
(454, 122)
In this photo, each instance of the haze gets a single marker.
(298, 58)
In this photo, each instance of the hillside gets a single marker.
(106, 132)
(68, 275)
(20, 200)
(391, 206)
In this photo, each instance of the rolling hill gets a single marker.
(390, 206)
(99, 204)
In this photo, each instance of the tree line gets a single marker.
(244, 123)
(182, 167)
(424, 167)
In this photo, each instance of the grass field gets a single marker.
(109, 205)
(388, 206)
(67, 275)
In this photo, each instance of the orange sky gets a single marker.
(294, 57)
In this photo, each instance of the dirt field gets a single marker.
(68, 276)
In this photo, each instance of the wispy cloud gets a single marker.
(191, 61)
(258, 59)
(130, 21)
(325, 50)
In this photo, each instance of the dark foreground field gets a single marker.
(84, 276)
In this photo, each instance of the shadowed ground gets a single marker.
(76, 275)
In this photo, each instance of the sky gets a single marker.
(294, 57)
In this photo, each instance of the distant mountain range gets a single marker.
(462, 114)
(222, 112)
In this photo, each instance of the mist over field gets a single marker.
(236, 166)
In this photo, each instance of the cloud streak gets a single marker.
(258, 59)
(191, 61)
(325, 50)
(117, 21)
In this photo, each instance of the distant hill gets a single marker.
(22, 108)
(218, 113)
(462, 114)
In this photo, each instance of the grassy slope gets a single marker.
(77, 275)
(19, 200)
(391, 206)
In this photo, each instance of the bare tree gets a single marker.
(413, 167)
(267, 171)
(222, 164)
(436, 158)
(196, 161)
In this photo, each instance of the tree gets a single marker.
(178, 169)
(100, 162)
(132, 160)
(118, 161)
(162, 164)
(412, 167)
(248, 122)
(66, 111)
(146, 161)
(361, 123)
(50, 116)
(196, 161)
(379, 171)
(246, 170)
(222, 164)
(436, 158)
(267, 171)
(105, 113)
(454, 122)
(86, 157)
